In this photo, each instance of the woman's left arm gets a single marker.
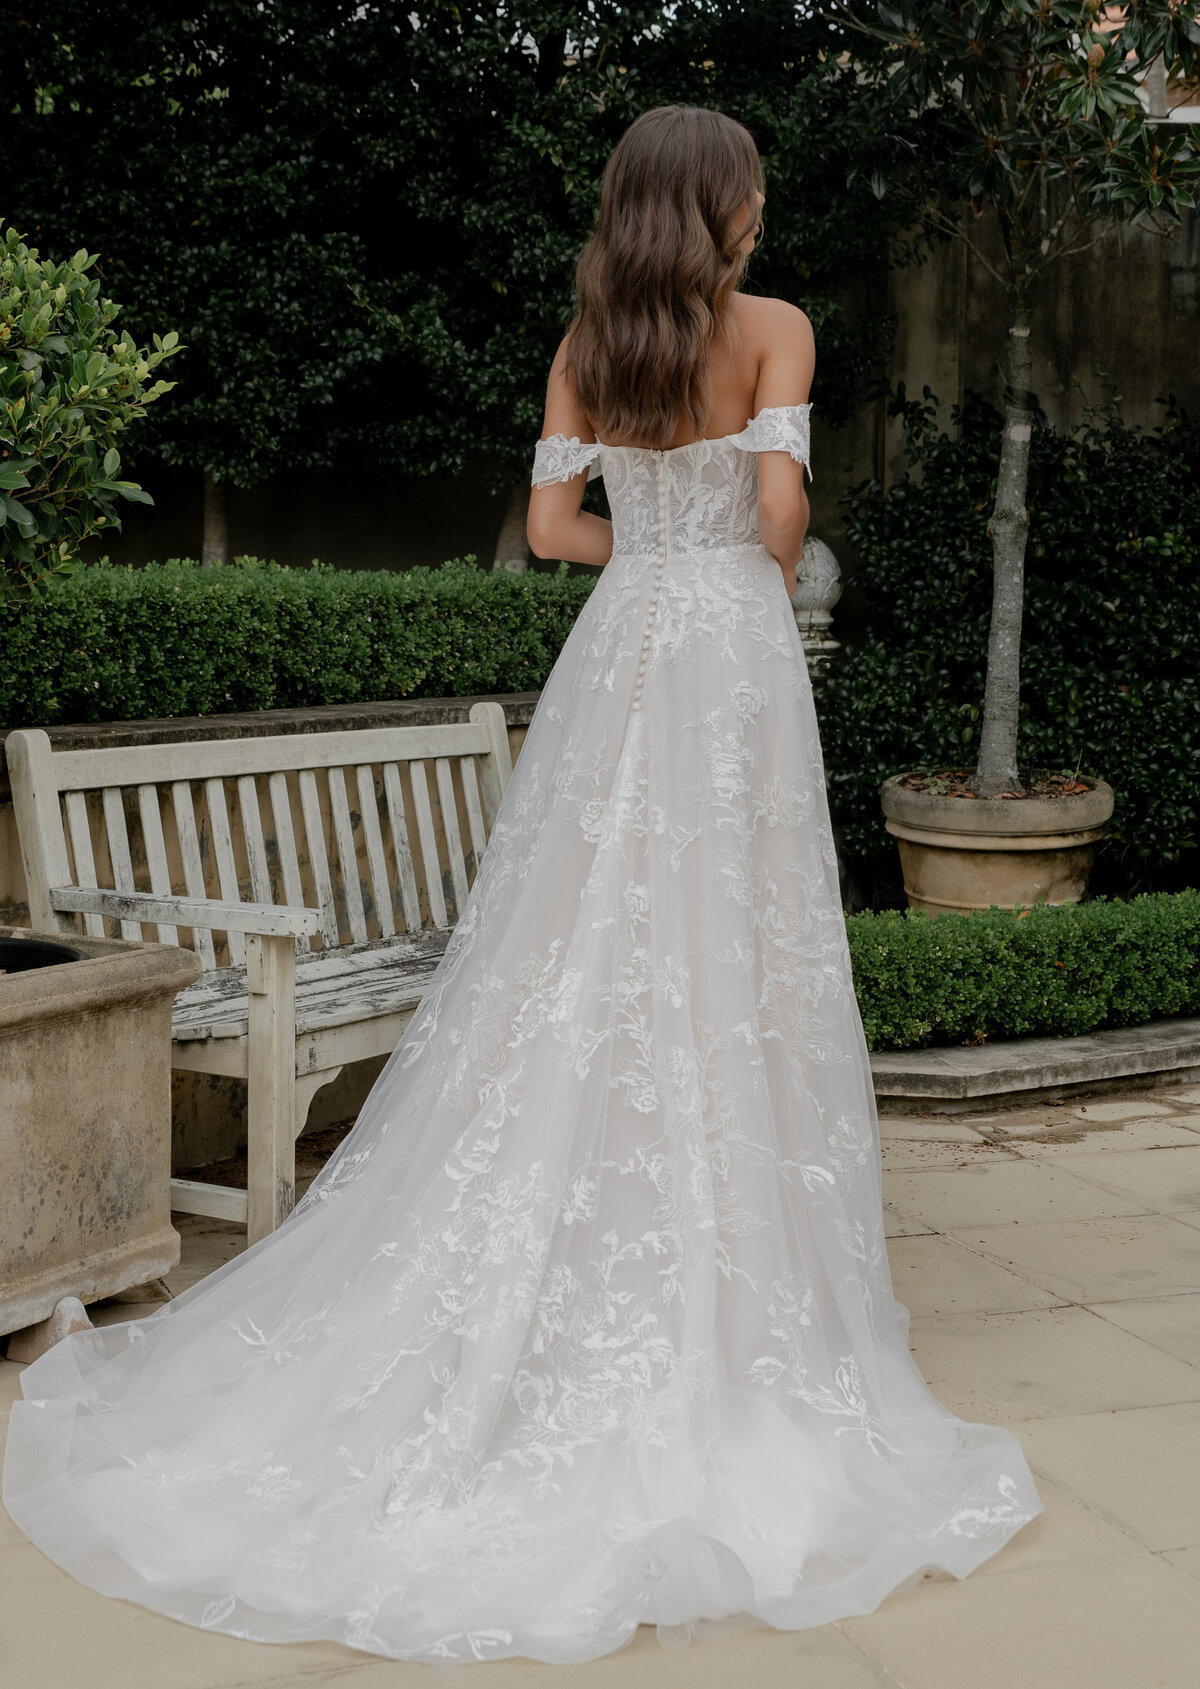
(557, 526)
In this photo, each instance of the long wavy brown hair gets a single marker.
(655, 280)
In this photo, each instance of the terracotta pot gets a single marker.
(968, 853)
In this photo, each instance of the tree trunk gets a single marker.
(216, 522)
(512, 549)
(1009, 532)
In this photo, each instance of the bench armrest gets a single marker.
(267, 919)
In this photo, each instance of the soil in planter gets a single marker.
(21, 955)
(956, 783)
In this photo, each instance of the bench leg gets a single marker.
(307, 1086)
(271, 1182)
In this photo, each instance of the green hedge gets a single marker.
(1047, 971)
(117, 644)
(1110, 661)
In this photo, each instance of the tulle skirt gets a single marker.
(588, 1324)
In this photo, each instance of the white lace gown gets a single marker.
(588, 1324)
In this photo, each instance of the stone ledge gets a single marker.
(951, 1076)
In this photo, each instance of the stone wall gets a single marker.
(1130, 307)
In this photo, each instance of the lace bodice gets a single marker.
(695, 497)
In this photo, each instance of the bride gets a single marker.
(588, 1324)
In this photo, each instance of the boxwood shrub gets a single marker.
(117, 644)
(1110, 661)
(1046, 971)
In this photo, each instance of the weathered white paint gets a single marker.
(269, 1007)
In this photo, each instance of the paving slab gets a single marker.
(900, 1154)
(1100, 1260)
(1139, 1468)
(995, 1193)
(1187, 1559)
(1169, 1322)
(1068, 1529)
(11, 1533)
(207, 1245)
(1129, 1109)
(1074, 1137)
(1159, 1178)
(930, 1128)
(1128, 1622)
(896, 1224)
(759, 1658)
(58, 1634)
(1004, 1368)
(937, 1275)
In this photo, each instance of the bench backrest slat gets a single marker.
(156, 853)
(252, 837)
(401, 851)
(193, 865)
(318, 860)
(118, 851)
(458, 866)
(339, 808)
(470, 786)
(433, 882)
(382, 830)
(222, 844)
(208, 759)
(381, 891)
(81, 849)
(285, 844)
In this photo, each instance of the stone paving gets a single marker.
(1051, 1260)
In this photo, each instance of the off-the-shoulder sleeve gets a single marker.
(560, 459)
(779, 428)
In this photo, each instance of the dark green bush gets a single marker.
(1047, 971)
(1110, 676)
(116, 644)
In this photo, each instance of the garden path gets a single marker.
(1050, 1256)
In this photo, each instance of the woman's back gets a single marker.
(765, 360)
(737, 483)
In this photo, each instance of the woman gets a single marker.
(588, 1323)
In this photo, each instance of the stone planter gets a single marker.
(85, 1122)
(962, 853)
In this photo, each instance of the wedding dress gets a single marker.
(589, 1322)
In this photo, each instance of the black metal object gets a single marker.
(18, 955)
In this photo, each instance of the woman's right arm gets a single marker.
(784, 377)
(557, 526)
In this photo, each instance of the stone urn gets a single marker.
(962, 853)
(818, 588)
(85, 1117)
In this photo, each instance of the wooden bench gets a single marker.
(319, 914)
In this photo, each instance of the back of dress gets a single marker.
(588, 1323)
(690, 498)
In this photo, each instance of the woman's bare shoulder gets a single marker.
(769, 320)
(564, 415)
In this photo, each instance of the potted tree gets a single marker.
(1023, 134)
